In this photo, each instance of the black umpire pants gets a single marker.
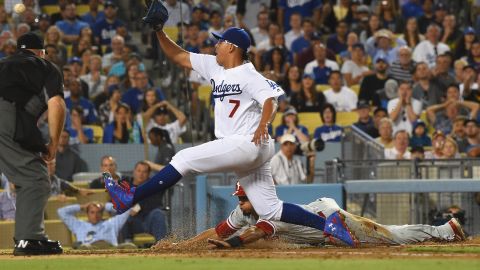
(28, 172)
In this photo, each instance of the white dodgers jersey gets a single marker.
(239, 94)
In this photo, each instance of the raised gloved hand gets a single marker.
(156, 15)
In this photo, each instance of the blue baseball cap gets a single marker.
(236, 36)
(469, 31)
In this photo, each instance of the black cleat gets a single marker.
(156, 15)
(37, 247)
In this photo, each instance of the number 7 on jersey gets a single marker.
(236, 103)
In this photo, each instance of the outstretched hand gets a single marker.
(218, 243)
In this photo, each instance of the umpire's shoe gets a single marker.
(36, 247)
(156, 15)
(120, 192)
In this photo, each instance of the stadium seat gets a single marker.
(69, 50)
(53, 204)
(99, 195)
(205, 93)
(7, 229)
(277, 121)
(50, 9)
(56, 230)
(97, 133)
(171, 32)
(356, 88)
(322, 87)
(85, 177)
(82, 9)
(311, 120)
(346, 118)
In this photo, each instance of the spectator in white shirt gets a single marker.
(354, 70)
(296, 31)
(404, 110)
(428, 50)
(287, 169)
(260, 33)
(341, 97)
(160, 120)
(400, 146)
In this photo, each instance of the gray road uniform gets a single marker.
(363, 230)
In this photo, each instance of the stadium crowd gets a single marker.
(405, 72)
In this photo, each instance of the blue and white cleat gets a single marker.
(336, 227)
(120, 192)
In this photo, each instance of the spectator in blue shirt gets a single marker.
(305, 41)
(338, 41)
(412, 8)
(290, 125)
(307, 8)
(106, 28)
(70, 26)
(76, 99)
(94, 14)
(135, 95)
(95, 230)
(329, 132)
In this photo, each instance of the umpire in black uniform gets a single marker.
(28, 86)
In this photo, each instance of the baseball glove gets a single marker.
(156, 15)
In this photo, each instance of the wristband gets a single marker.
(235, 241)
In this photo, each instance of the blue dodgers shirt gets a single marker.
(329, 133)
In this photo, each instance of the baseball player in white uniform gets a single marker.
(243, 221)
(245, 104)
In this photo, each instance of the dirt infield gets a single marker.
(466, 250)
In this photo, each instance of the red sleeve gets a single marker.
(224, 229)
(266, 226)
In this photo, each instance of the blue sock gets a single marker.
(161, 181)
(295, 214)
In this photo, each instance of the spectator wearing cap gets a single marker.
(290, 125)
(159, 114)
(420, 135)
(373, 84)
(304, 41)
(134, 96)
(178, 11)
(341, 97)
(338, 42)
(76, 100)
(426, 88)
(308, 99)
(329, 131)
(443, 115)
(42, 24)
(93, 15)
(365, 121)
(107, 109)
(404, 110)
(122, 130)
(198, 17)
(428, 50)
(106, 28)
(383, 43)
(94, 78)
(288, 169)
(472, 133)
(295, 31)
(464, 43)
(400, 146)
(355, 70)
(321, 67)
(70, 25)
(450, 32)
(469, 88)
(358, 17)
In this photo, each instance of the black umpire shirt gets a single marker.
(23, 75)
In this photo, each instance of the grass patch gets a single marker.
(447, 249)
(146, 263)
